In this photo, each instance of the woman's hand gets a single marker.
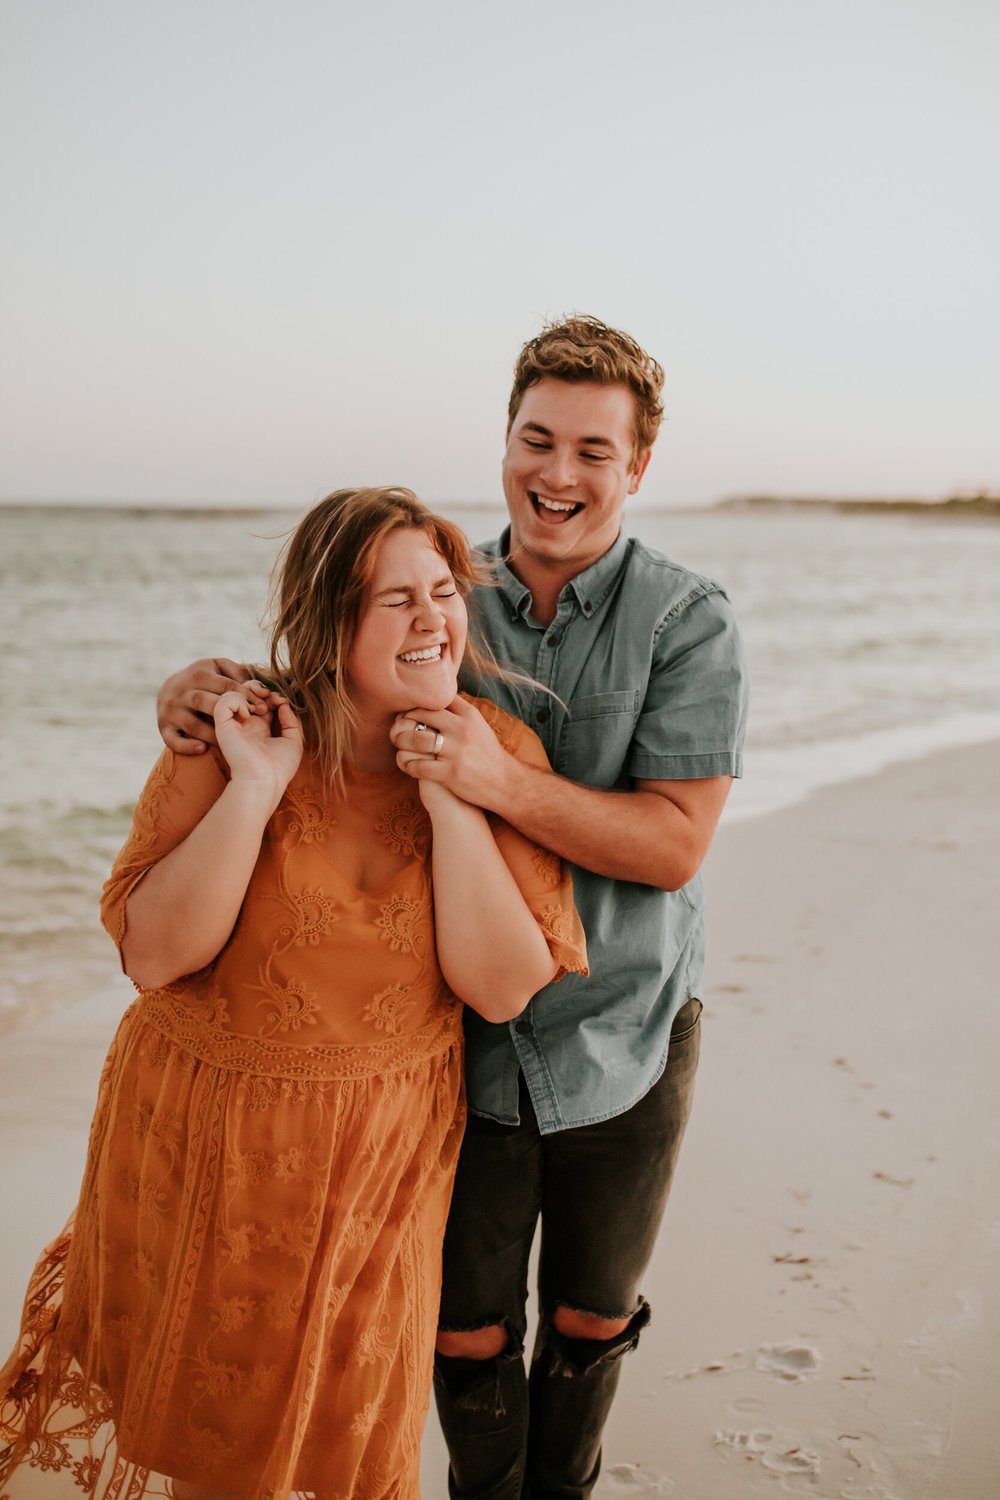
(456, 748)
(256, 754)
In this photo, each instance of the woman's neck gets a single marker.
(371, 748)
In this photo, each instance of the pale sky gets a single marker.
(255, 251)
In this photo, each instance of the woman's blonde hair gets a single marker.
(319, 591)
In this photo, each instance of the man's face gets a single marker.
(567, 471)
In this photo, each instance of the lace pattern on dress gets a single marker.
(269, 1058)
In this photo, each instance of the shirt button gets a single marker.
(541, 716)
(552, 640)
(521, 1027)
(587, 607)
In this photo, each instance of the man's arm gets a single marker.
(185, 704)
(657, 834)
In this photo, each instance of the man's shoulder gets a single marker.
(665, 583)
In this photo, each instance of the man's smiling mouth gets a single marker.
(555, 508)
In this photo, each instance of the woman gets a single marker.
(246, 1302)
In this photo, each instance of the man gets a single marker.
(577, 1109)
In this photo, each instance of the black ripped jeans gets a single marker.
(600, 1191)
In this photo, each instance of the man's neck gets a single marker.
(545, 583)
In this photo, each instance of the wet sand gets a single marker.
(827, 1286)
(826, 1292)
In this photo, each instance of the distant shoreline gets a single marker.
(954, 507)
(985, 505)
(195, 510)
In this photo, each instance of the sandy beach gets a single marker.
(826, 1292)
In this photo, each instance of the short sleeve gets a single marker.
(543, 879)
(177, 795)
(693, 716)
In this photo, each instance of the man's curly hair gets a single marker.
(584, 348)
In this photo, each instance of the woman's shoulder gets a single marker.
(509, 730)
(516, 737)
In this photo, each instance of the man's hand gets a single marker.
(656, 834)
(471, 762)
(186, 702)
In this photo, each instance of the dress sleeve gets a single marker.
(177, 795)
(543, 878)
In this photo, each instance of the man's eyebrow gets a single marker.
(585, 442)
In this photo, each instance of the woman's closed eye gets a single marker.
(449, 593)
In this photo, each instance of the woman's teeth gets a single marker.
(431, 653)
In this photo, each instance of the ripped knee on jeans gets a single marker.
(486, 1341)
(571, 1353)
(480, 1383)
(574, 1323)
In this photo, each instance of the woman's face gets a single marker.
(411, 635)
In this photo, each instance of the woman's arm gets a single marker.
(181, 913)
(491, 949)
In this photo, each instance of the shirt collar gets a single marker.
(591, 587)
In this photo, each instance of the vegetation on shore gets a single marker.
(954, 507)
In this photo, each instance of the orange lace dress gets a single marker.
(247, 1296)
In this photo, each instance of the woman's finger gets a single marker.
(288, 721)
(233, 706)
(260, 698)
(417, 735)
(418, 765)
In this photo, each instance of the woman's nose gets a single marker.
(430, 616)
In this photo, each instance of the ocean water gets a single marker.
(871, 639)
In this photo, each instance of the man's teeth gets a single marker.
(554, 504)
(431, 653)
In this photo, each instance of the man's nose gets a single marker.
(559, 469)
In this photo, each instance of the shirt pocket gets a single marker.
(596, 737)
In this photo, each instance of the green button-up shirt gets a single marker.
(648, 669)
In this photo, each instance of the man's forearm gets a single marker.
(634, 835)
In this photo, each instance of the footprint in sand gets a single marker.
(790, 1361)
(792, 1461)
(629, 1479)
(777, 1455)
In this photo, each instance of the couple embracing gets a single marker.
(324, 862)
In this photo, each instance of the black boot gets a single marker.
(483, 1409)
(572, 1386)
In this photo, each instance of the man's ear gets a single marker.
(638, 469)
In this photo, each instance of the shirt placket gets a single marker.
(545, 719)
